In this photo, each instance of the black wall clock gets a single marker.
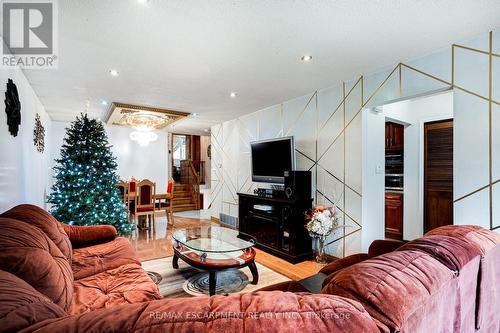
(12, 108)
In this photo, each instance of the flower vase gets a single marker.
(320, 250)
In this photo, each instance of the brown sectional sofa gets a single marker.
(59, 278)
(446, 281)
(79, 268)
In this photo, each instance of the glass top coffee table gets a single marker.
(213, 249)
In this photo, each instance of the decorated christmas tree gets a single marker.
(85, 191)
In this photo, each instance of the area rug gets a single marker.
(189, 281)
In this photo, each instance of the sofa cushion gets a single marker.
(88, 235)
(122, 285)
(95, 259)
(270, 312)
(28, 253)
(43, 220)
(483, 238)
(452, 252)
(391, 286)
(22, 306)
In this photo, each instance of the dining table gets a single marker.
(132, 196)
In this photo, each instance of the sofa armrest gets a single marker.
(383, 246)
(342, 263)
(291, 286)
(89, 235)
(272, 311)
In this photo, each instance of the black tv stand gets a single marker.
(277, 224)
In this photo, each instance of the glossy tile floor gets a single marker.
(157, 243)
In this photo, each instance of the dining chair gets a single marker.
(123, 188)
(167, 204)
(132, 185)
(132, 195)
(145, 202)
(170, 200)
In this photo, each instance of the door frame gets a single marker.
(171, 149)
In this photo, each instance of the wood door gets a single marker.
(438, 174)
(394, 136)
(194, 148)
(388, 129)
(394, 216)
(398, 134)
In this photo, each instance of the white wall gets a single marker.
(149, 162)
(413, 113)
(373, 200)
(327, 126)
(24, 171)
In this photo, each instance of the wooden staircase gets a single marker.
(183, 198)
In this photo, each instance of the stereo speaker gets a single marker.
(298, 185)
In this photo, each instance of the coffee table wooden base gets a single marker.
(215, 265)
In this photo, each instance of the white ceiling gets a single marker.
(189, 55)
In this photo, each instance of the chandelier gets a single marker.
(143, 135)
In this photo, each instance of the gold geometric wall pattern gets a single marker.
(323, 146)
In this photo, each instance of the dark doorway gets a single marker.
(438, 174)
(184, 147)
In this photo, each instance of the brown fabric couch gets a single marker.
(79, 269)
(446, 281)
(60, 278)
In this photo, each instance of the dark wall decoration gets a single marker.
(209, 151)
(12, 108)
(39, 134)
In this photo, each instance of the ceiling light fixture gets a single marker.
(206, 130)
(143, 136)
(233, 94)
(194, 115)
(306, 58)
(103, 102)
(114, 72)
(143, 2)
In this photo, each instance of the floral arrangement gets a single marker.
(321, 221)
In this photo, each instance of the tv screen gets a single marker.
(271, 158)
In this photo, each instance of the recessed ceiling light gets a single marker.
(233, 94)
(194, 115)
(143, 2)
(306, 58)
(103, 102)
(113, 72)
(206, 130)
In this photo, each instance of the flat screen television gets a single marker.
(271, 158)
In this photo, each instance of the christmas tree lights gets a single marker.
(85, 191)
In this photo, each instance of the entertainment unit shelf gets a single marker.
(280, 230)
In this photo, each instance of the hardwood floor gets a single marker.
(157, 243)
